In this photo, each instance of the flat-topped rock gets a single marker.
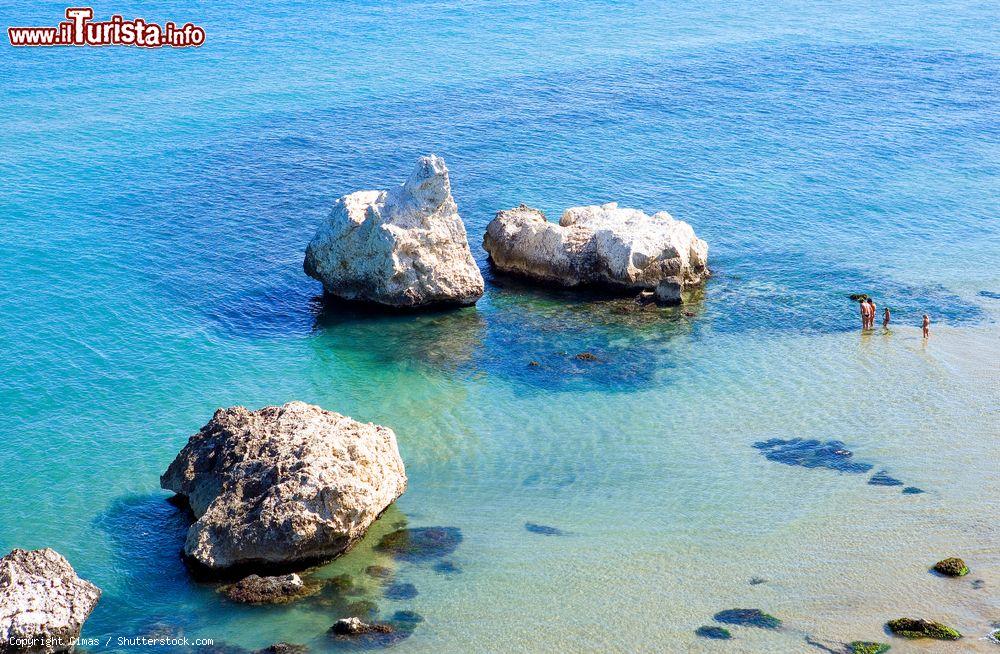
(282, 487)
(602, 245)
(43, 603)
(402, 248)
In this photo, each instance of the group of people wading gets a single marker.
(868, 313)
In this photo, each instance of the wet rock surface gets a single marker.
(867, 647)
(255, 589)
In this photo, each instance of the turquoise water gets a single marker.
(156, 205)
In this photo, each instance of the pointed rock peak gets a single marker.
(428, 184)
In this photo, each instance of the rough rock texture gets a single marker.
(403, 248)
(356, 627)
(597, 246)
(43, 603)
(283, 486)
(952, 567)
(269, 590)
(916, 628)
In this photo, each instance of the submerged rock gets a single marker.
(404, 248)
(401, 591)
(366, 609)
(867, 647)
(748, 618)
(951, 567)
(378, 571)
(544, 530)
(43, 603)
(812, 453)
(913, 490)
(883, 478)
(715, 633)
(447, 567)
(421, 544)
(602, 245)
(917, 628)
(255, 589)
(283, 486)
(284, 648)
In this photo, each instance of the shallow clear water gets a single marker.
(156, 206)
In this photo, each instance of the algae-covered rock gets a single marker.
(951, 567)
(715, 633)
(867, 647)
(918, 628)
(421, 544)
(255, 589)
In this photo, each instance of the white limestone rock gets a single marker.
(284, 486)
(43, 603)
(597, 246)
(403, 248)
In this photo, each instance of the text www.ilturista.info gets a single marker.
(78, 30)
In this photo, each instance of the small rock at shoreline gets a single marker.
(867, 647)
(951, 567)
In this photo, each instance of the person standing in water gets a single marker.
(885, 318)
(863, 306)
(927, 325)
(872, 315)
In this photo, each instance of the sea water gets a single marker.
(156, 205)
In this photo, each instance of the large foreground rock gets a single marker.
(284, 486)
(403, 248)
(598, 246)
(43, 604)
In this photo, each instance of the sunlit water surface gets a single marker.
(155, 208)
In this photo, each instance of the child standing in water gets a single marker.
(885, 318)
(927, 325)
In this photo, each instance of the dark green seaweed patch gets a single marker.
(401, 591)
(544, 530)
(748, 618)
(883, 478)
(715, 633)
(812, 453)
(421, 544)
